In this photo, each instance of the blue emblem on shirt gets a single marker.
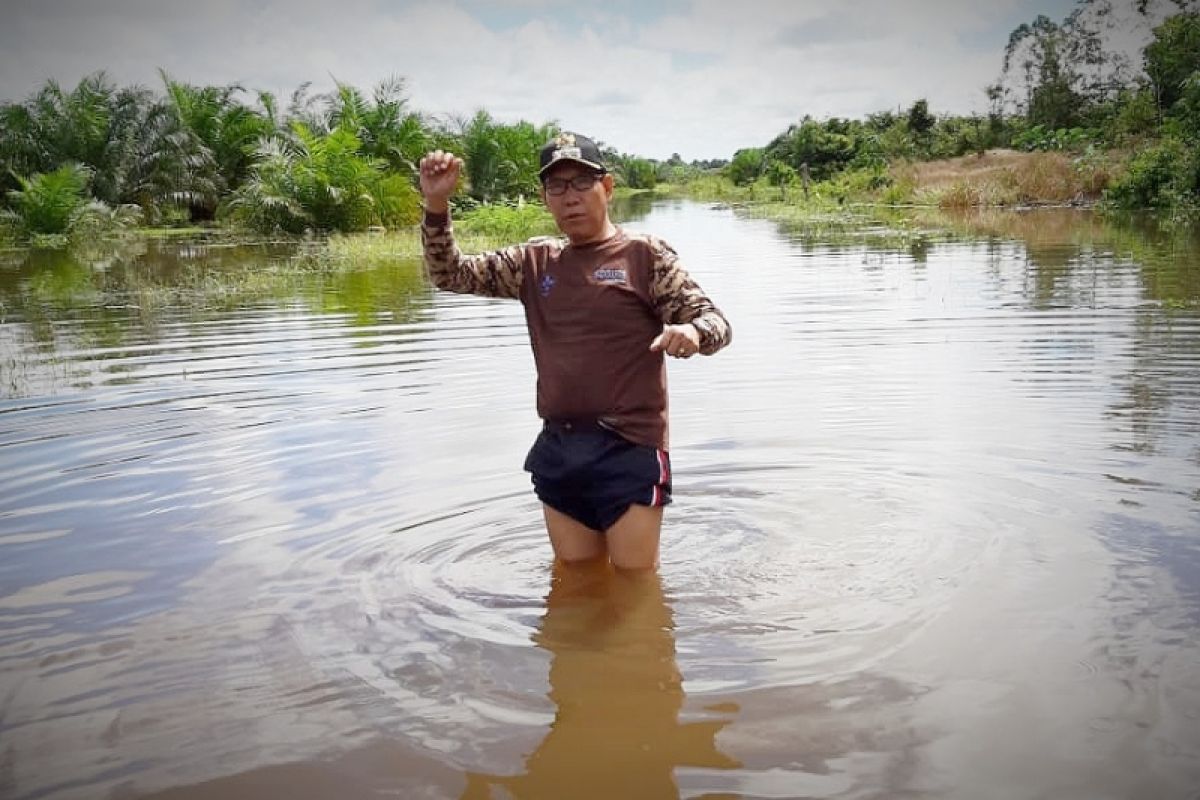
(546, 285)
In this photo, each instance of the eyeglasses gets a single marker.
(580, 183)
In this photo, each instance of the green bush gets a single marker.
(46, 202)
(746, 166)
(640, 174)
(507, 223)
(1164, 176)
(779, 174)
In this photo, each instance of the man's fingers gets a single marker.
(674, 344)
(439, 161)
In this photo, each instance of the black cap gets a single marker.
(570, 147)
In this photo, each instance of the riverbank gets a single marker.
(992, 179)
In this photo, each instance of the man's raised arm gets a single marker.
(494, 274)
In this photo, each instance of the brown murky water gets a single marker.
(936, 531)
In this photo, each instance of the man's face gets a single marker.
(581, 215)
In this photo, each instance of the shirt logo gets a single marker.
(546, 285)
(610, 275)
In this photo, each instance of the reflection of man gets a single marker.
(613, 677)
(602, 307)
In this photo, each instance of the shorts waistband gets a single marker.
(577, 424)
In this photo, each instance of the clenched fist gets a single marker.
(439, 178)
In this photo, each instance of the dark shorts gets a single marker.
(593, 475)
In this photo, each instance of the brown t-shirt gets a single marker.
(592, 312)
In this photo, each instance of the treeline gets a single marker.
(103, 155)
(337, 161)
(100, 154)
(1060, 89)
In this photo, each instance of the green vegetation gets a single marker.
(1096, 131)
(194, 155)
(322, 182)
(1070, 122)
(46, 203)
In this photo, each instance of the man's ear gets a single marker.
(607, 183)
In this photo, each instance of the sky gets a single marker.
(701, 78)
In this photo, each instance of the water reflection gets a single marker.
(81, 318)
(618, 694)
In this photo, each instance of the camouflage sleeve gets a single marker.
(678, 299)
(495, 274)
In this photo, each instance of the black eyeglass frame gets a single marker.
(557, 187)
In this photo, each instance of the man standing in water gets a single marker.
(603, 307)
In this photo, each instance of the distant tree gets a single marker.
(95, 124)
(746, 166)
(321, 181)
(826, 147)
(1173, 57)
(502, 160)
(384, 125)
(920, 121)
(639, 173)
(1041, 49)
(213, 139)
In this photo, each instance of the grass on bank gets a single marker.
(995, 178)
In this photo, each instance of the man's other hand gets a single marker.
(680, 341)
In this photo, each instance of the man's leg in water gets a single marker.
(631, 542)
(633, 539)
(571, 539)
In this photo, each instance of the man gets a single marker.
(603, 307)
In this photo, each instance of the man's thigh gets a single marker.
(570, 538)
(633, 539)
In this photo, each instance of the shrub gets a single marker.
(640, 174)
(1163, 176)
(46, 202)
(507, 223)
(746, 166)
(780, 174)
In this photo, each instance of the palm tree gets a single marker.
(501, 160)
(385, 127)
(213, 140)
(321, 181)
(95, 125)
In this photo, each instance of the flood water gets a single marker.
(936, 529)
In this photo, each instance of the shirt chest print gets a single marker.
(611, 273)
(547, 283)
